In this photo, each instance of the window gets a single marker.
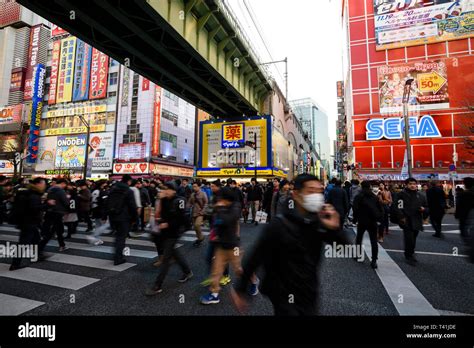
(170, 138)
(171, 96)
(186, 121)
(170, 116)
(113, 62)
(186, 141)
(113, 78)
(112, 94)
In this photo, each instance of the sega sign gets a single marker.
(393, 128)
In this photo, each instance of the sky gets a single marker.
(309, 33)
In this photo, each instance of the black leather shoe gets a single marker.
(119, 262)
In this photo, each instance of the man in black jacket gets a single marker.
(122, 211)
(368, 212)
(436, 207)
(337, 197)
(58, 205)
(465, 213)
(410, 205)
(171, 225)
(290, 251)
(254, 197)
(31, 209)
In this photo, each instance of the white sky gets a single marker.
(309, 33)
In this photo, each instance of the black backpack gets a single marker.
(374, 208)
(114, 202)
(20, 207)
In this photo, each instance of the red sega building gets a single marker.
(381, 56)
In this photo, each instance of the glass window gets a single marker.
(113, 79)
(171, 138)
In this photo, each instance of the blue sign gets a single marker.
(452, 168)
(39, 75)
(82, 71)
(394, 128)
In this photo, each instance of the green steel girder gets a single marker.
(182, 55)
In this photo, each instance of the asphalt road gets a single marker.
(82, 280)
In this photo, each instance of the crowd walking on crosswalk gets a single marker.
(296, 217)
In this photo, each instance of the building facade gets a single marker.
(84, 98)
(388, 43)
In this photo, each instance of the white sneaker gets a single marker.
(99, 242)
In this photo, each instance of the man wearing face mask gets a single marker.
(290, 251)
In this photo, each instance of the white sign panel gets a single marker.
(102, 145)
(46, 153)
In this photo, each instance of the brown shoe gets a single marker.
(380, 240)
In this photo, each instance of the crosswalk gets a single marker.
(57, 271)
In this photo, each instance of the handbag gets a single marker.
(261, 216)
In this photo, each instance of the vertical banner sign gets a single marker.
(82, 71)
(155, 141)
(32, 60)
(54, 72)
(145, 84)
(66, 69)
(39, 76)
(99, 72)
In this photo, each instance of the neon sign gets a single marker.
(393, 128)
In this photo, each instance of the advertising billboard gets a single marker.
(33, 50)
(6, 167)
(131, 168)
(66, 69)
(226, 148)
(409, 23)
(155, 139)
(17, 82)
(70, 151)
(75, 130)
(132, 152)
(99, 74)
(57, 31)
(46, 153)
(53, 79)
(11, 114)
(82, 71)
(39, 76)
(429, 90)
(102, 145)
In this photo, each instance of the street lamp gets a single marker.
(86, 159)
(406, 97)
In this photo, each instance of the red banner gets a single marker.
(155, 140)
(32, 60)
(145, 84)
(56, 31)
(99, 72)
(17, 80)
(54, 72)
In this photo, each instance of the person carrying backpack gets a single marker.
(122, 211)
(407, 210)
(171, 226)
(27, 213)
(368, 214)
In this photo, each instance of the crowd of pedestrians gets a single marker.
(301, 215)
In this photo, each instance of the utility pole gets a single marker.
(406, 98)
(286, 73)
(86, 158)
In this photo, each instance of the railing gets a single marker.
(242, 36)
